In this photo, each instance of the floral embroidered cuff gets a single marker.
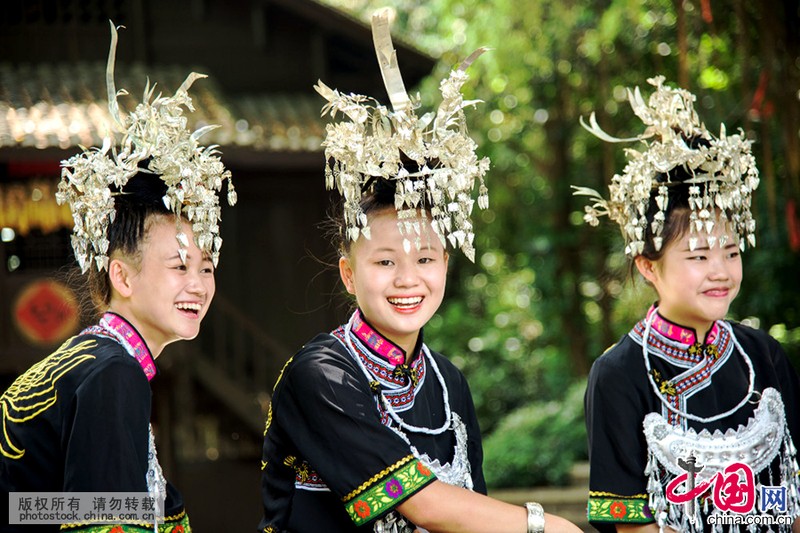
(387, 491)
(606, 507)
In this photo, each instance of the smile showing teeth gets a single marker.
(185, 306)
(405, 301)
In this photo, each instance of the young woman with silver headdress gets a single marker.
(146, 215)
(369, 429)
(692, 419)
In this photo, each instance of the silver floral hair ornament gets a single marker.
(723, 173)
(374, 140)
(155, 131)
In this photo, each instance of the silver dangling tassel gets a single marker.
(673, 514)
(656, 500)
(682, 519)
(790, 474)
(156, 484)
(652, 485)
(650, 468)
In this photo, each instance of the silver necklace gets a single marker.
(679, 412)
(448, 415)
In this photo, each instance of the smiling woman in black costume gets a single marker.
(146, 231)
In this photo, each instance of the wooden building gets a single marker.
(274, 286)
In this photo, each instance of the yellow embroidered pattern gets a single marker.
(269, 410)
(269, 418)
(597, 493)
(664, 386)
(376, 477)
(301, 469)
(35, 391)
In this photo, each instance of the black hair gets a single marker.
(379, 196)
(135, 207)
(140, 198)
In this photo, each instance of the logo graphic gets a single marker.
(773, 498)
(734, 487)
(692, 468)
(733, 496)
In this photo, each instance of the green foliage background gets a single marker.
(548, 294)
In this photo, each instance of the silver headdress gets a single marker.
(374, 140)
(156, 131)
(723, 173)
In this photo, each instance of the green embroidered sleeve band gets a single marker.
(388, 491)
(605, 507)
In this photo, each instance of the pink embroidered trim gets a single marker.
(679, 333)
(384, 371)
(377, 342)
(129, 338)
(704, 361)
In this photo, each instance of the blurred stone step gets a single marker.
(568, 502)
(579, 473)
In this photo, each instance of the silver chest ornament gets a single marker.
(756, 444)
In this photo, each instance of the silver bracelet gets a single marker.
(535, 517)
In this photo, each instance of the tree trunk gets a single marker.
(683, 46)
(567, 254)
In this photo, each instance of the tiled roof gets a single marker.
(64, 106)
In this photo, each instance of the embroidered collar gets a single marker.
(116, 327)
(380, 344)
(677, 332)
(399, 382)
(678, 345)
(696, 361)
